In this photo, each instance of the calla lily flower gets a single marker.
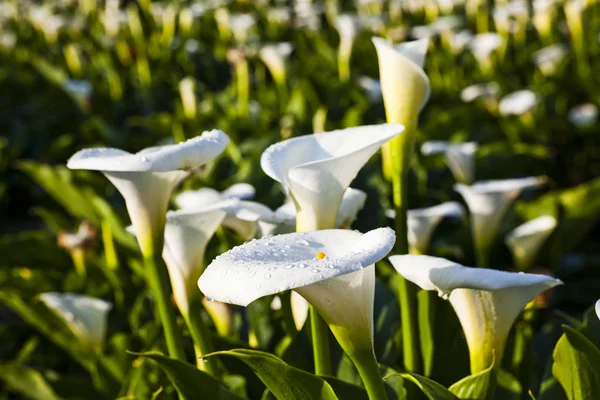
(583, 115)
(315, 170)
(480, 90)
(187, 234)
(526, 240)
(483, 45)
(423, 221)
(406, 89)
(459, 157)
(372, 88)
(87, 317)
(487, 302)
(488, 201)
(347, 27)
(518, 103)
(275, 57)
(549, 58)
(460, 40)
(147, 178)
(543, 16)
(332, 269)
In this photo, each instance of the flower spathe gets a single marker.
(405, 89)
(460, 157)
(518, 103)
(488, 201)
(487, 302)
(275, 57)
(147, 178)
(315, 170)
(423, 221)
(526, 240)
(332, 269)
(86, 317)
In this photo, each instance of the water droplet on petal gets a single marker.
(302, 242)
(204, 359)
(209, 299)
(288, 266)
(315, 271)
(267, 276)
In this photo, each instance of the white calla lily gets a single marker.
(488, 90)
(526, 240)
(488, 201)
(483, 45)
(549, 58)
(460, 157)
(87, 317)
(332, 269)
(598, 308)
(316, 170)
(518, 103)
(187, 234)
(583, 115)
(275, 57)
(372, 88)
(406, 90)
(147, 178)
(487, 302)
(423, 221)
(347, 26)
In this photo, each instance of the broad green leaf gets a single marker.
(429, 387)
(283, 380)
(476, 387)
(189, 381)
(27, 382)
(577, 365)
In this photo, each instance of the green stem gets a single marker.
(482, 253)
(406, 290)
(369, 372)
(202, 342)
(110, 254)
(320, 342)
(289, 327)
(78, 256)
(158, 281)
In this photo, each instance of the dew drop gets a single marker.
(258, 286)
(252, 273)
(272, 268)
(327, 301)
(315, 271)
(302, 242)
(267, 276)
(289, 266)
(144, 159)
(209, 299)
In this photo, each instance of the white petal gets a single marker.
(352, 202)
(403, 80)
(526, 240)
(584, 115)
(434, 147)
(423, 221)
(459, 157)
(187, 234)
(242, 191)
(598, 308)
(197, 198)
(488, 201)
(86, 316)
(483, 44)
(271, 265)
(486, 301)
(346, 303)
(299, 309)
(317, 169)
(185, 155)
(518, 102)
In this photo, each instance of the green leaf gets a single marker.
(190, 382)
(476, 387)
(429, 387)
(283, 380)
(27, 381)
(577, 365)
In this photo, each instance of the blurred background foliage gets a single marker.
(131, 74)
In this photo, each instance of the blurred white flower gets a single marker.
(584, 115)
(549, 58)
(518, 103)
(460, 157)
(487, 90)
(240, 25)
(460, 40)
(372, 88)
(279, 15)
(79, 90)
(483, 45)
(85, 316)
(487, 302)
(315, 170)
(147, 178)
(526, 240)
(347, 27)
(275, 57)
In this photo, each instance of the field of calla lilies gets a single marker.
(238, 199)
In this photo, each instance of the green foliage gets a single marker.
(577, 365)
